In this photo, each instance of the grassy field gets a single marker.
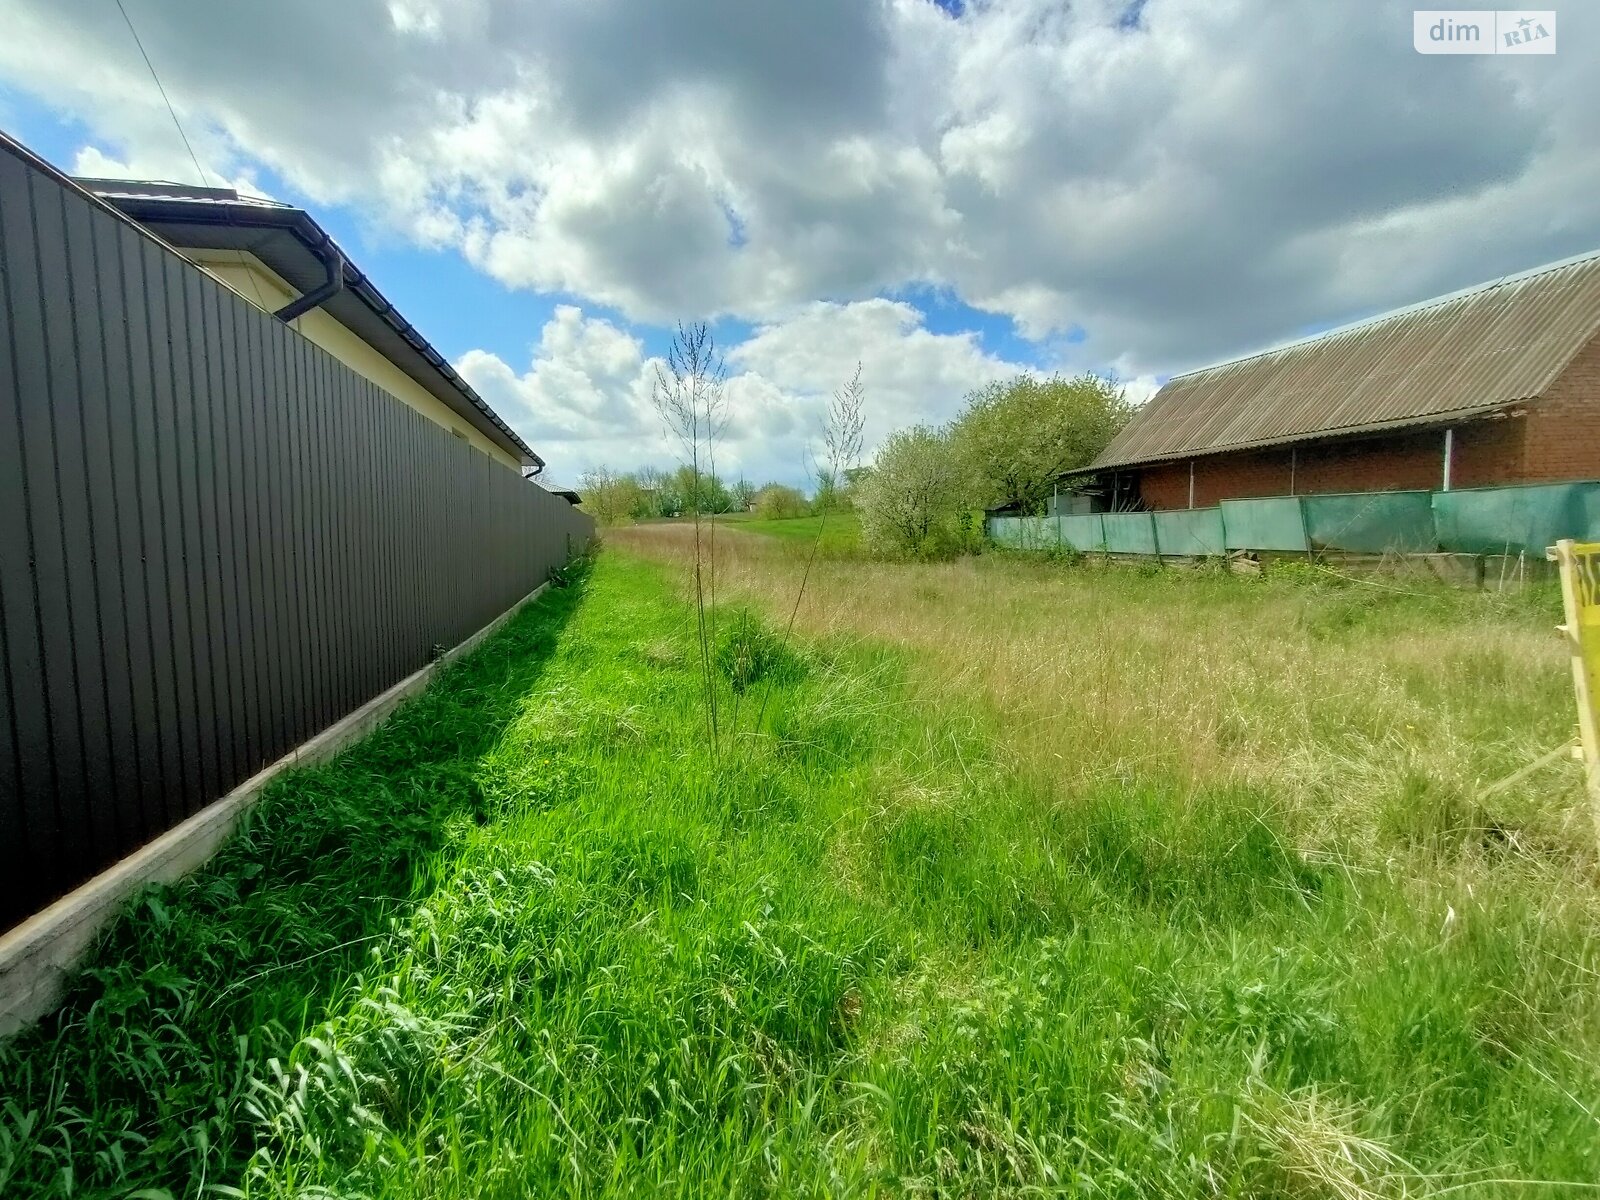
(1007, 880)
(840, 532)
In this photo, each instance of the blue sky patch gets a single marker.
(946, 313)
(737, 235)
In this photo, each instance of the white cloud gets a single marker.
(93, 162)
(1139, 388)
(1179, 179)
(910, 373)
(588, 382)
(585, 399)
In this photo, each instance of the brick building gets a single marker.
(1498, 384)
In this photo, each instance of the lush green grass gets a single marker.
(841, 535)
(533, 939)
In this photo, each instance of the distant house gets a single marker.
(555, 489)
(1011, 508)
(1498, 384)
(279, 259)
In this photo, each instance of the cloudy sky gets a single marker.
(947, 192)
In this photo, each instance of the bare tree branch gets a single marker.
(690, 398)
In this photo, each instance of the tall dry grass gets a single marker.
(1353, 724)
(1016, 910)
(1374, 713)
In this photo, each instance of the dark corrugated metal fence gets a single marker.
(215, 538)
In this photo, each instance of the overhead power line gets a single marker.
(178, 125)
(172, 112)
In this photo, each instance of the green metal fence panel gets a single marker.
(1083, 532)
(1371, 522)
(1514, 520)
(1006, 531)
(1195, 531)
(1129, 532)
(1023, 533)
(1269, 523)
(1473, 521)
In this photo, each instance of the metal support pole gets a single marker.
(1449, 457)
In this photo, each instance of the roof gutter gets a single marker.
(304, 228)
(333, 262)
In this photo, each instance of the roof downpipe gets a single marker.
(331, 287)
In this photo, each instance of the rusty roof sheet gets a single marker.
(1455, 356)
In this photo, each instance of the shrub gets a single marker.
(776, 502)
(611, 498)
(748, 652)
(909, 505)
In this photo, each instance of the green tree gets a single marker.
(910, 503)
(776, 502)
(655, 497)
(830, 496)
(611, 497)
(743, 494)
(1014, 439)
(699, 491)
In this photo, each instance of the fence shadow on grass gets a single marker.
(137, 1081)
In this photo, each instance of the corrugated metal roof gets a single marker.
(1470, 352)
(570, 495)
(164, 189)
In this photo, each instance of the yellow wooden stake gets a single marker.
(1579, 563)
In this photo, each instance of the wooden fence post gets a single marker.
(1579, 564)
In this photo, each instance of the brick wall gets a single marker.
(1412, 460)
(1554, 439)
(1563, 438)
(1223, 476)
(1489, 452)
